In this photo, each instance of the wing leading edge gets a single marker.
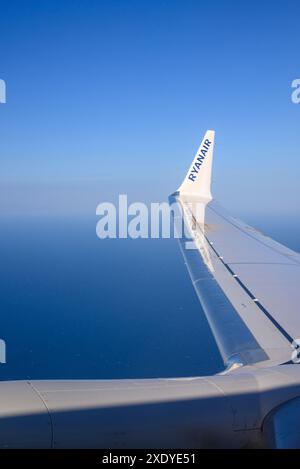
(247, 283)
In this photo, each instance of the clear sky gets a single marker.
(114, 96)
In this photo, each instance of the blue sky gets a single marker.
(108, 97)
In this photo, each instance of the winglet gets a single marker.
(198, 179)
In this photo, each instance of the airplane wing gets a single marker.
(248, 287)
(247, 284)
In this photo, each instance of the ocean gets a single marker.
(77, 307)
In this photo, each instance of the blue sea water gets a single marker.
(77, 307)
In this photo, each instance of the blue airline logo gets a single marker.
(201, 156)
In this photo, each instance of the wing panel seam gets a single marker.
(249, 293)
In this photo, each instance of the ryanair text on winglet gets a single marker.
(201, 156)
(2, 92)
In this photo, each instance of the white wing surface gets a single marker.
(247, 283)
